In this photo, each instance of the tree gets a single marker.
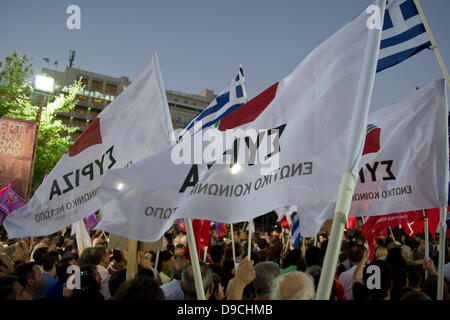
(54, 136)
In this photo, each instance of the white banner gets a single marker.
(302, 151)
(136, 124)
(404, 165)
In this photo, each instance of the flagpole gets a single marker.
(443, 208)
(347, 186)
(132, 266)
(427, 241)
(434, 46)
(232, 247)
(157, 259)
(244, 91)
(194, 261)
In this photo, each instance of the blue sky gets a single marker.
(200, 43)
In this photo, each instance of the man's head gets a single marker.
(179, 250)
(294, 285)
(6, 265)
(38, 255)
(10, 288)
(355, 253)
(178, 266)
(49, 261)
(217, 254)
(265, 274)
(30, 276)
(188, 283)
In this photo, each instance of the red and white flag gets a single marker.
(135, 125)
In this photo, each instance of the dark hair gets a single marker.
(24, 271)
(93, 255)
(86, 294)
(50, 259)
(215, 290)
(163, 256)
(237, 248)
(139, 289)
(216, 253)
(116, 279)
(313, 256)
(7, 288)
(262, 243)
(59, 240)
(355, 252)
(415, 295)
(145, 272)
(292, 258)
(61, 268)
(38, 255)
(87, 277)
(117, 255)
(395, 258)
(414, 275)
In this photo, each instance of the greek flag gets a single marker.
(231, 98)
(295, 229)
(403, 34)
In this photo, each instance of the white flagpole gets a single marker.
(347, 187)
(157, 259)
(434, 46)
(232, 247)
(244, 91)
(194, 260)
(205, 249)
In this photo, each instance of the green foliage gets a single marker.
(54, 136)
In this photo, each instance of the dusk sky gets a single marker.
(200, 43)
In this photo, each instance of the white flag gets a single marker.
(304, 121)
(404, 165)
(136, 124)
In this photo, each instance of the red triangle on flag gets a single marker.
(91, 136)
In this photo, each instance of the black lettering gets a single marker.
(55, 189)
(69, 184)
(88, 170)
(388, 164)
(191, 179)
(109, 152)
(100, 164)
(372, 170)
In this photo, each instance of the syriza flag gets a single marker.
(404, 166)
(133, 126)
(292, 141)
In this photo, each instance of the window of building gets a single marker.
(97, 101)
(84, 81)
(111, 88)
(82, 98)
(97, 85)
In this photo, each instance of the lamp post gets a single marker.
(44, 86)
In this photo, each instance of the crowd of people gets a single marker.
(40, 268)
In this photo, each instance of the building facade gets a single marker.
(101, 89)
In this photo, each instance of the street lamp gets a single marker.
(44, 83)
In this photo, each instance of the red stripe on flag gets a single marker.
(91, 136)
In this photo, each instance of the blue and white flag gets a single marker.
(231, 98)
(403, 34)
(295, 229)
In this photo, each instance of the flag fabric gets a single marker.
(46, 60)
(351, 223)
(82, 236)
(412, 228)
(135, 125)
(403, 34)
(228, 100)
(202, 235)
(295, 231)
(90, 222)
(303, 149)
(408, 172)
(221, 229)
(9, 201)
(375, 226)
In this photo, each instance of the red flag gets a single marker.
(284, 223)
(351, 223)
(377, 225)
(202, 234)
(90, 137)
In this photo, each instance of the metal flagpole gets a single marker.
(347, 186)
(434, 46)
(249, 240)
(194, 260)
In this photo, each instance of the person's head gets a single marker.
(414, 275)
(381, 253)
(49, 261)
(399, 277)
(119, 258)
(406, 253)
(38, 255)
(262, 243)
(217, 289)
(315, 271)
(179, 250)
(188, 283)
(217, 254)
(10, 288)
(6, 265)
(382, 288)
(429, 287)
(14, 252)
(313, 256)
(61, 268)
(178, 266)
(265, 274)
(355, 253)
(30, 277)
(294, 285)
(395, 257)
(89, 277)
(117, 278)
(238, 249)
(165, 261)
(415, 295)
(323, 236)
(141, 288)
